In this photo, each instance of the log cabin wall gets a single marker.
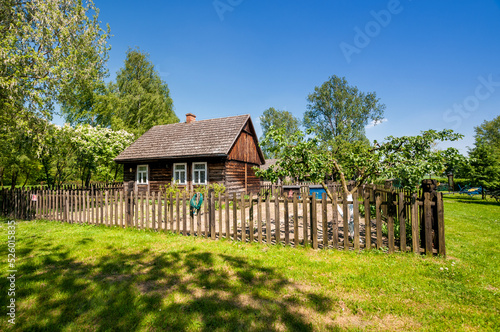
(245, 149)
(237, 180)
(160, 173)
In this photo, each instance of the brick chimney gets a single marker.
(190, 117)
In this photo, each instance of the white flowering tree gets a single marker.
(95, 150)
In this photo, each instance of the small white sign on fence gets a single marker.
(34, 198)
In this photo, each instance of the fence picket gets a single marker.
(295, 220)
(355, 203)
(287, 220)
(402, 221)
(268, 221)
(314, 222)
(378, 202)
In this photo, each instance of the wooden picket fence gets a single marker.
(400, 222)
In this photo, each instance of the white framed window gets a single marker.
(180, 171)
(200, 173)
(142, 174)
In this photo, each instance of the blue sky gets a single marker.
(434, 64)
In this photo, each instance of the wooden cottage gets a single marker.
(195, 153)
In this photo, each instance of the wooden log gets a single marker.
(295, 220)
(268, 220)
(378, 216)
(287, 220)
(355, 206)
(335, 228)
(428, 224)
(402, 221)
(314, 222)
(415, 231)
(440, 221)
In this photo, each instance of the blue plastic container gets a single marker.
(317, 190)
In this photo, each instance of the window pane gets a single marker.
(183, 177)
(143, 168)
(180, 167)
(196, 178)
(199, 166)
(202, 177)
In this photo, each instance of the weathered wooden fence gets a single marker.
(380, 218)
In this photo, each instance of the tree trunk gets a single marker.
(14, 180)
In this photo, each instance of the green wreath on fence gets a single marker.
(196, 203)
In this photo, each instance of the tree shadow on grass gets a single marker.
(145, 290)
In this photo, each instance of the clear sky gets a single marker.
(434, 64)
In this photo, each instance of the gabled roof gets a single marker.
(204, 138)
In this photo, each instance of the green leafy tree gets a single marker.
(484, 157)
(277, 118)
(143, 98)
(339, 110)
(49, 51)
(408, 158)
(488, 133)
(484, 167)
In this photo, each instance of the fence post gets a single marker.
(128, 206)
(314, 222)
(378, 202)
(402, 221)
(368, 223)
(346, 220)
(243, 219)
(440, 222)
(429, 231)
(211, 213)
(390, 221)
(415, 233)
(428, 224)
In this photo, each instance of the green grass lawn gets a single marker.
(76, 277)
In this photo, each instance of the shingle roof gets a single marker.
(213, 137)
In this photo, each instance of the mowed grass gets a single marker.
(77, 277)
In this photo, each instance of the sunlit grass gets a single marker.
(76, 277)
